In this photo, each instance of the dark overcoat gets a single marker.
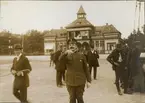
(21, 65)
(92, 58)
(134, 63)
(59, 65)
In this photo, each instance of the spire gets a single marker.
(81, 13)
(81, 10)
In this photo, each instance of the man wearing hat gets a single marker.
(115, 58)
(59, 67)
(135, 68)
(92, 58)
(20, 69)
(77, 73)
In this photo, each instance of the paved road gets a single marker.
(43, 86)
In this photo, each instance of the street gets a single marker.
(43, 86)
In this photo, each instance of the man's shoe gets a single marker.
(120, 93)
(128, 92)
(60, 86)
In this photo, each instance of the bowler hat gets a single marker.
(18, 47)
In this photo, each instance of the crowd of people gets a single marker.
(125, 60)
(74, 69)
(128, 69)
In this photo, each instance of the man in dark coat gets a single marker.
(51, 58)
(115, 58)
(135, 68)
(92, 58)
(20, 69)
(125, 70)
(77, 72)
(59, 73)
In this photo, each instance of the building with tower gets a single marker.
(103, 38)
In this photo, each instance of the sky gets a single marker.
(21, 16)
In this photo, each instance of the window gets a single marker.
(97, 43)
(111, 46)
(101, 43)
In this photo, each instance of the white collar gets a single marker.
(18, 57)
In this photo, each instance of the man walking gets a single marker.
(92, 58)
(20, 69)
(77, 72)
(51, 58)
(59, 72)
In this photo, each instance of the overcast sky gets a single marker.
(21, 16)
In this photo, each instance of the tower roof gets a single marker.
(81, 10)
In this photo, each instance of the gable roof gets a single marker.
(109, 29)
(106, 29)
(79, 23)
(56, 32)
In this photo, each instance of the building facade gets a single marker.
(103, 38)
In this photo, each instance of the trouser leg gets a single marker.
(95, 72)
(72, 93)
(63, 75)
(79, 93)
(125, 80)
(23, 94)
(90, 69)
(50, 63)
(117, 79)
(58, 78)
(16, 93)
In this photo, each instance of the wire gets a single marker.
(139, 16)
(135, 16)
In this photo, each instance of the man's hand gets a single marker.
(68, 52)
(88, 84)
(13, 72)
(20, 73)
(116, 64)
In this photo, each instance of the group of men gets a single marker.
(75, 67)
(126, 63)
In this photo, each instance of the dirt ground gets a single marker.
(43, 86)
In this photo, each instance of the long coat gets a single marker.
(21, 64)
(59, 65)
(134, 63)
(77, 72)
(92, 58)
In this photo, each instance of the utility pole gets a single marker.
(22, 36)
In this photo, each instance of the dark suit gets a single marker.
(77, 74)
(21, 82)
(60, 72)
(92, 59)
(112, 58)
(136, 71)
